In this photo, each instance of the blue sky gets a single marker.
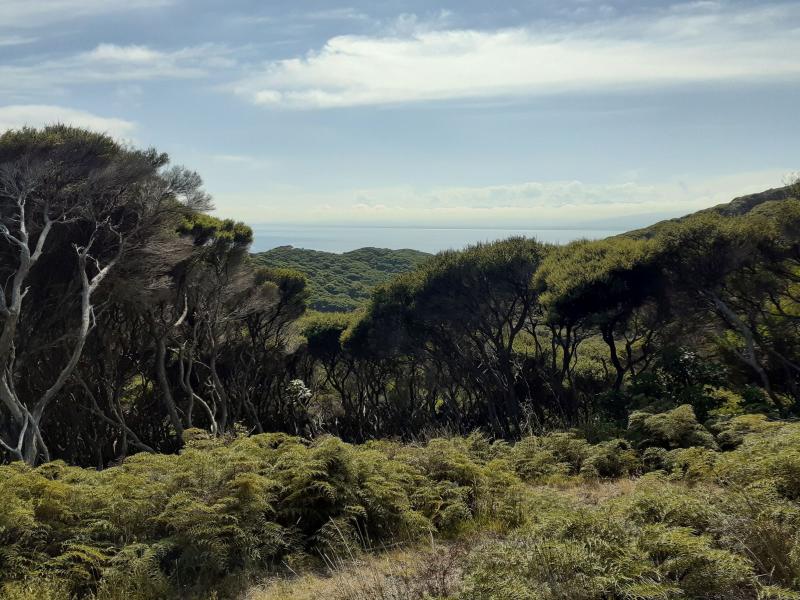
(456, 113)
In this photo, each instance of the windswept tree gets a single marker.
(264, 357)
(463, 313)
(79, 215)
(611, 286)
(701, 257)
(229, 346)
(743, 271)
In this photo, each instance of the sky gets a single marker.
(457, 113)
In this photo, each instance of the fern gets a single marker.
(567, 518)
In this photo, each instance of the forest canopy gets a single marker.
(130, 315)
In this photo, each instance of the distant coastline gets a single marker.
(424, 239)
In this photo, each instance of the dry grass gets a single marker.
(594, 492)
(410, 574)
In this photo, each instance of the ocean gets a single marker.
(344, 239)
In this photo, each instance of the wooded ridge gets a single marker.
(341, 282)
(130, 315)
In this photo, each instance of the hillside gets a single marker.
(737, 207)
(342, 282)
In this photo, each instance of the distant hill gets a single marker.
(736, 207)
(342, 282)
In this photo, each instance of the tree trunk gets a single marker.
(166, 391)
(608, 337)
(749, 356)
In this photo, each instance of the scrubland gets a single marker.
(671, 509)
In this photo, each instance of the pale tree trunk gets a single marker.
(186, 362)
(35, 444)
(119, 422)
(30, 443)
(222, 394)
(11, 312)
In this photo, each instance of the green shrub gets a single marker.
(613, 458)
(729, 403)
(691, 464)
(536, 457)
(654, 459)
(530, 570)
(38, 588)
(595, 554)
(693, 564)
(676, 428)
(730, 432)
(769, 457)
(655, 502)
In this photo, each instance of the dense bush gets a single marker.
(707, 524)
(677, 428)
(161, 525)
(731, 534)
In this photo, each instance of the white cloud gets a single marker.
(527, 204)
(124, 54)
(40, 13)
(244, 160)
(114, 63)
(38, 115)
(703, 42)
(336, 14)
(15, 40)
(301, 18)
(409, 24)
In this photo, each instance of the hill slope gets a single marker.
(341, 282)
(740, 205)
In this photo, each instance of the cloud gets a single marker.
(142, 62)
(336, 14)
(244, 160)
(703, 42)
(16, 40)
(40, 13)
(124, 54)
(38, 115)
(114, 63)
(525, 204)
(409, 24)
(304, 18)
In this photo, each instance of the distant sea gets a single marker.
(344, 239)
